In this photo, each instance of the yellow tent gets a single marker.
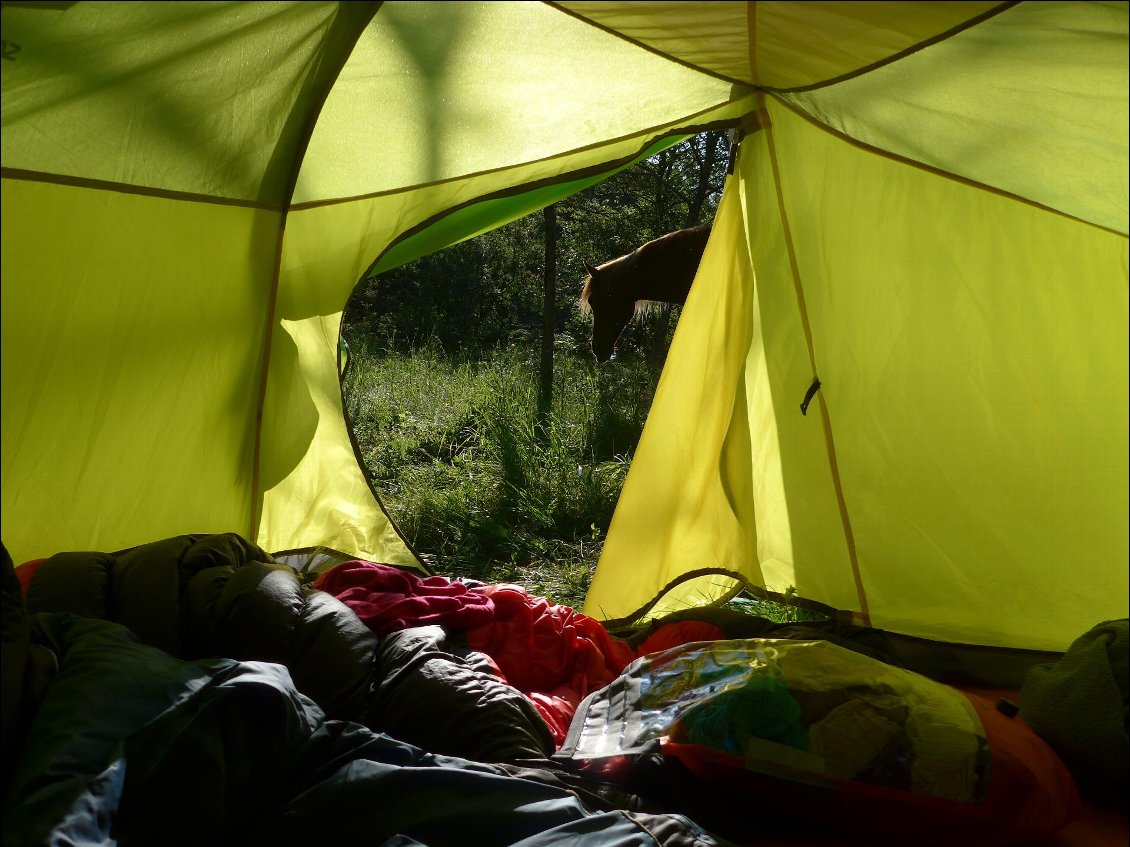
(924, 243)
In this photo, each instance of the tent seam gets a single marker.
(257, 498)
(754, 81)
(744, 583)
(800, 112)
(355, 445)
(23, 175)
(655, 51)
(660, 131)
(798, 284)
(901, 54)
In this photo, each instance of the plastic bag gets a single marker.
(806, 711)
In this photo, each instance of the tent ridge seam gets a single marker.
(22, 175)
(800, 112)
(901, 54)
(655, 51)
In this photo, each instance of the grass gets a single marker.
(484, 489)
(480, 486)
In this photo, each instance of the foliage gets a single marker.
(784, 612)
(486, 292)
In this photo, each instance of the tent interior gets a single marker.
(899, 384)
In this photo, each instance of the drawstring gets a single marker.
(812, 389)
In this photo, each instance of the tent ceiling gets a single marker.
(205, 99)
(435, 91)
(792, 44)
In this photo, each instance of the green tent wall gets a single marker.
(928, 213)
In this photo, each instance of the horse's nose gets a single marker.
(603, 357)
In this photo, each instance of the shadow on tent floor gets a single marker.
(1100, 826)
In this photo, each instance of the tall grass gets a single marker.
(485, 490)
(482, 487)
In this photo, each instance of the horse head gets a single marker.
(610, 312)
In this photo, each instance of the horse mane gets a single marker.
(643, 307)
(673, 240)
(654, 249)
(586, 292)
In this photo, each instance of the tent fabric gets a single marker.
(440, 72)
(232, 133)
(934, 363)
(781, 44)
(928, 214)
(1069, 155)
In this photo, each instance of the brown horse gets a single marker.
(660, 271)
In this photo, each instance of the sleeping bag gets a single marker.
(220, 596)
(133, 747)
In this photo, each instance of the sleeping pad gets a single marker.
(131, 746)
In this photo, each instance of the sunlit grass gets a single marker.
(481, 487)
(478, 484)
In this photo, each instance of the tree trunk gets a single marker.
(705, 171)
(548, 312)
(657, 349)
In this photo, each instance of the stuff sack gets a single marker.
(829, 736)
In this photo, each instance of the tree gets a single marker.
(494, 290)
(704, 179)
